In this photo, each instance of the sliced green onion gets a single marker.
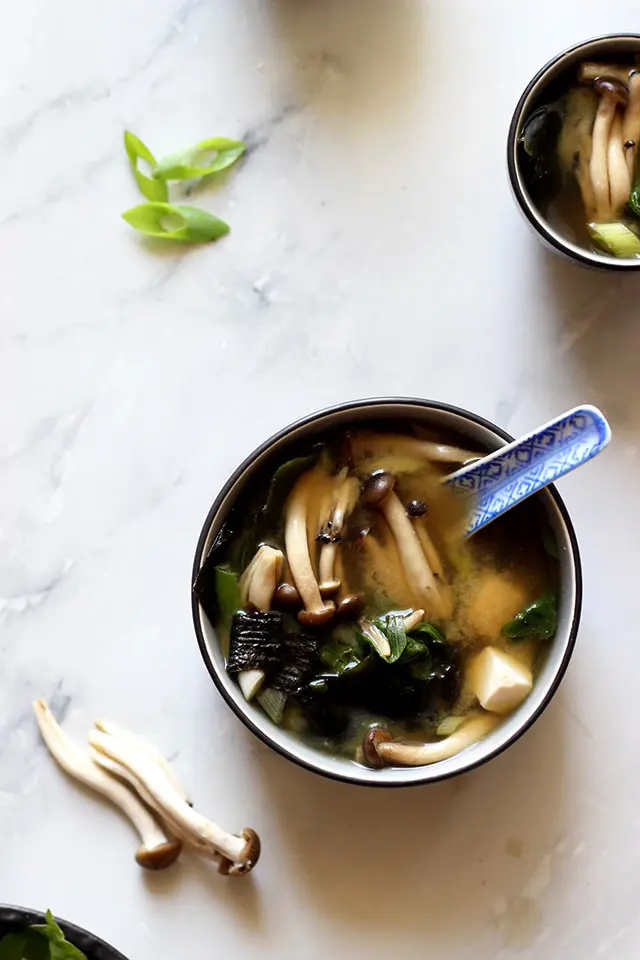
(174, 221)
(185, 166)
(273, 703)
(617, 239)
(150, 188)
(449, 725)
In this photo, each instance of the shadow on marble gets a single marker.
(240, 898)
(353, 62)
(435, 861)
(598, 319)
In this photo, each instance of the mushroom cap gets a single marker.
(369, 746)
(416, 508)
(608, 86)
(248, 858)
(315, 618)
(329, 587)
(287, 597)
(157, 858)
(349, 607)
(376, 487)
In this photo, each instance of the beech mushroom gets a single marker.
(287, 597)
(238, 854)
(257, 588)
(631, 123)
(316, 610)
(370, 743)
(115, 731)
(157, 850)
(398, 753)
(343, 502)
(612, 93)
(619, 176)
(589, 72)
(378, 491)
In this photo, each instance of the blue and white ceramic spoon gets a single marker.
(518, 470)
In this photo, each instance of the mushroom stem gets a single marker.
(415, 564)
(258, 585)
(631, 123)
(344, 500)
(619, 177)
(590, 71)
(598, 168)
(239, 853)
(612, 92)
(395, 752)
(157, 850)
(105, 726)
(316, 610)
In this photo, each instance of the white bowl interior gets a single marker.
(338, 767)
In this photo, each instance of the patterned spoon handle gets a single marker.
(516, 471)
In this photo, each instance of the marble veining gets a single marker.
(374, 250)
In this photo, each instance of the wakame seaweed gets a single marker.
(538, 143)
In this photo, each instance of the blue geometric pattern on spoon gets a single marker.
(519, 469)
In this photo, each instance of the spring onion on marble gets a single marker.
(175, 221)
(150, 187)
(192, 163)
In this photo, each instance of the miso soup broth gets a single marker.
(353, 611)
(578, 150)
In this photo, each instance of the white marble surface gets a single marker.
(375, 249)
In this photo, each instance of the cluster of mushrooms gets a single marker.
(608, 133)
(309, 577)
(143, 785)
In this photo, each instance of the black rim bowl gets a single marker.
(599, 48)
(15, 919)
(314, 760)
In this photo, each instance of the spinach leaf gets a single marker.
(227, 594)
(428, 654)
(342, 657)
(283, 480)
(538, 621)
(392, 625)
(59, 946)
(12, 946)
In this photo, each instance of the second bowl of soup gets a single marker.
(346, 619)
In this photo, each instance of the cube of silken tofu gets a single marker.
(500, 682)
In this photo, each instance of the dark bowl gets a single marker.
(600, 48)
(484, 435)
(15, 919)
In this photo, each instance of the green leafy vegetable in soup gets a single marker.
(39, 942)
(347, 600)
(538, 621)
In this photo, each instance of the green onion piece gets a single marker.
(273, 703)
(449, 725)
(185, 166)
(136, 150)
(174, 221)
(616, 238)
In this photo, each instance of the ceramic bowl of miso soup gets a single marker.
(573, 152)
(349, 621)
